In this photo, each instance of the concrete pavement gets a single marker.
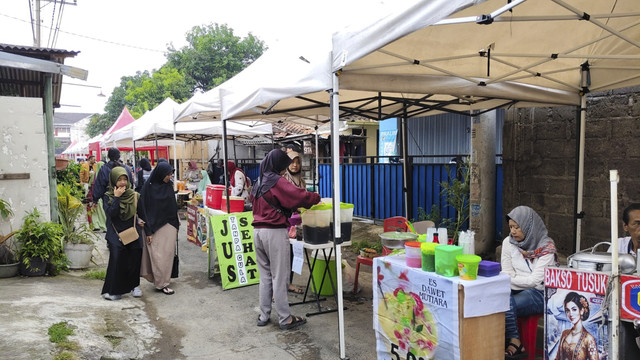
(200, 321)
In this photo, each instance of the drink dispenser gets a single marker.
(316, 223)
(346, 221)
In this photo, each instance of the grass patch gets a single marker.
(96, 274)
(58, 332)
(69, 345)
(65, 355)
(114, 340)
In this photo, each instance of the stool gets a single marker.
(528, 329)
(360, 260)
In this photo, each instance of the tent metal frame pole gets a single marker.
(335, 164)
(403, 123)
(615, 292)
(580, 189)
(175, 155)
(135, 160)
(225, 156)
(316, 180)
(155, 135)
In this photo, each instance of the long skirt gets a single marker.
(98, 217)
(157, 257)
(123, 270)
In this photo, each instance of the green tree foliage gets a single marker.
(213, 55)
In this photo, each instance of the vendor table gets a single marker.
(421, 315)
(316, 288)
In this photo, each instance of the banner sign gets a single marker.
(233, 238)
(574, 301)
(387, 143)
(192, 224)
(630, 299)
(415, 314)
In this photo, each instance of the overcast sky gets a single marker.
(119, 37)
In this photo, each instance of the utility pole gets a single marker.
(37, 38)
(38, 24)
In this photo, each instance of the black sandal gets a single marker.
(165, 290)
(518, 354)
(295, 322)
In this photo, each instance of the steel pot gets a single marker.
(396, 239)
(600, 261)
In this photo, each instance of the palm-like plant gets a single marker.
(70, 209)
(7, 248)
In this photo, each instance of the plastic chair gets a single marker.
(396, 223)
(528, 329)
(360, 260)
(421, 226)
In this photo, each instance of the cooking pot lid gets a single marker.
(596, 257)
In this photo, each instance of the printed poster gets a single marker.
(415, 313)
(575, 325)
(630, 297)
(192, 224)
(233, 236)
(203, 230)
(387, 142)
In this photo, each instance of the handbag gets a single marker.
(130, 235)
(176, 263)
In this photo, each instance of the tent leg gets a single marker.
(335, 165)
(615, 292)
(175, 156)
(316, 178)
(580, 174)
(225, 155)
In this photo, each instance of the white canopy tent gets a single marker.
(488, 54)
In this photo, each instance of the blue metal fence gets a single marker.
(376, 189)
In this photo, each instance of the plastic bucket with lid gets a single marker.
(413, 254)
(236, 204)
(316, 223)
(446, 263)
(214, 196)
(468, 266)
(428, 251)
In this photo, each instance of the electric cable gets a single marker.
(91, 38)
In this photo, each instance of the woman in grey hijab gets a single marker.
(525, 253)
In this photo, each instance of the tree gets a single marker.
(98, 124)
(214, 55)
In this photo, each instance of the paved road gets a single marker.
(200, 321)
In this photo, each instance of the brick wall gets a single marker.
(539, 157)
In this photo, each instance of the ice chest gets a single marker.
(488, 268)
(446, 263)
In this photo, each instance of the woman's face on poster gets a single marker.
(573, 312)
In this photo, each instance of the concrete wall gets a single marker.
(23, 149)
(539, 158)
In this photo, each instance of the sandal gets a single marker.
(165, 290)
(294, 289)
(519, 352)
(263, 322)
(294, 323)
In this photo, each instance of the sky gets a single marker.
(116, 38)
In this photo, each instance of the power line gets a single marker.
(90, 37)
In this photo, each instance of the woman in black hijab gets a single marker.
(273, 199)
(160, 212)
(143, 173)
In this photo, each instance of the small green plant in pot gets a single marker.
(40, 244)
(77, 238)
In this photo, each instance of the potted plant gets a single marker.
(78, 239)
(40, 244)
(8, 259)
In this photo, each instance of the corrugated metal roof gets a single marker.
(29, 83)
(445, 134)
(69, 118)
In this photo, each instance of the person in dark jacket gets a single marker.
(102, 180)
(273, 198)
(160, 214)
(120, 206)
(143, 173)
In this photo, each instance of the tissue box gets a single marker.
(488, 268)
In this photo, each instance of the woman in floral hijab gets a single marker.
(525, 253)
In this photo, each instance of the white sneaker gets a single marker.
(136, 292)
(111, 297)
